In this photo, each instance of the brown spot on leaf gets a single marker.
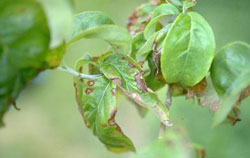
(111, 121)
(91, 82)
(141, 84)
(88, 91)
(81, 69)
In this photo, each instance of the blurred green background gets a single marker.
(50, 126)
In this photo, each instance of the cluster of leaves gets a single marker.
(166, 43)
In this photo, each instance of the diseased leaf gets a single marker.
(140, 17)
(188, 50)
(97, 25)
(24, 41)
(173, 144)
(98, 105)
(230, 75)
(127, 74)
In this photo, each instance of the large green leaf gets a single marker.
(24, 41)
(230, 74)
(98, 105)
(98, 25)
(188, 50)
(126, 73)
(173, 144)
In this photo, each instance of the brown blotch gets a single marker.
(117, 81)
(141, 84)
(123, 58)
(89, 90)
(111, 121)
(91, 82)
(80, 69)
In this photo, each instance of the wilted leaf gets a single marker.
(127, 74)
(98, 25)
(188, 50)
(98, 105)
(173, 144)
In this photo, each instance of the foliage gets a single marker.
(167, 43)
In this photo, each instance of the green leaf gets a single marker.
(188, 50)
(126, 73)
(24, 43)
(173, 144)
(228, 64)
(230, 76)
(97, 25)
(97, 100)
(159, 13)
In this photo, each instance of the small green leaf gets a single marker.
(162, 11)
(97, 100)
(126, 73)
(97, 25)
(230, 75)
(173, 144)
(188, 50)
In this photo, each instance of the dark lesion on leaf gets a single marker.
(89, 90)
(91, 82)
(141, 84)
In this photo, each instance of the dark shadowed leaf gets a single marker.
(97, 100)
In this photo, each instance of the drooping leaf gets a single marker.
(97, 100)
(188, 50)
(173, 144)
(230, 75)
(127, 74)
(98, 25)
(24, 41)
(163, 11)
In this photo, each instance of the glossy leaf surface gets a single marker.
(97, 100)
(188, 50)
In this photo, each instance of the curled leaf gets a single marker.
(98, 25)
(188, 50)
(127, 74)
(97, 101)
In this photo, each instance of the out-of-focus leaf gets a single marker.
(228, 64)
(159, 13)
(140, 17)
(126, 73)
(97, 25)
(231, 97)
(173, 144)
(186, 58)
(60, 18)
(55, 56)
(98, 105)
(24, 41)
(230, 75)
